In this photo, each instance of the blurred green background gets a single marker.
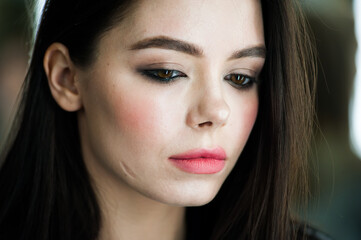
(335, 203)
(14, 46)
(336, 175)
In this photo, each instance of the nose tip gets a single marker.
(209, 111)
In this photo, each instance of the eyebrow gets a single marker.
(258, 51)
(164, 42)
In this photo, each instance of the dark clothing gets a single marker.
(303, 233)
(198, 228)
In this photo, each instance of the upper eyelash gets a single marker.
(252, 80)
(150, 73)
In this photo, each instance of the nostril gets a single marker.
(205, 124)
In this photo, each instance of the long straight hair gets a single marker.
(46, 191)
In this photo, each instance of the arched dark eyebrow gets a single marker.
(164, 42)
(259, 52)
(168, 43)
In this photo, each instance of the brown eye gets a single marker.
(163, 73)
(240, 80)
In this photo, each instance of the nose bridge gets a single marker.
(209, 107)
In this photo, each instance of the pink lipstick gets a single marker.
(200, 161)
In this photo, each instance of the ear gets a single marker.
(61, 74)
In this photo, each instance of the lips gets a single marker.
(200, 161)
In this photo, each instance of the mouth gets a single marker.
(200, 161)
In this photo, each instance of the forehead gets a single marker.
(211, 24)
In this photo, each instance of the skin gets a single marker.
(131, 124)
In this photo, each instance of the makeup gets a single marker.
(200, 161)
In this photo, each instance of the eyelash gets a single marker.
(244, 80)
(155, 74)
(239, 81)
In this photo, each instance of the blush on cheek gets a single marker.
(251, 117)
(136, 116)
(244, 121)
(252, 113)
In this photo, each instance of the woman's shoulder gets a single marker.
(312, 233)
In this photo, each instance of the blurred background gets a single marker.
(335, 203)
(14, 47)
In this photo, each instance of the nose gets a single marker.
(209, 108)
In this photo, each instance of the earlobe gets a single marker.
(61, 74)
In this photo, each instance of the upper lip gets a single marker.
(213, 153)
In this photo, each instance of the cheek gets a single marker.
(250, 114)
(135, 114)
(142, 117)
(243, 120)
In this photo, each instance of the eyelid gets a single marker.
(245, 71)
(251, 65)
(163, 65)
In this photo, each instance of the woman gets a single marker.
(134, 110)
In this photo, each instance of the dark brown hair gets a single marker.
(46, 190)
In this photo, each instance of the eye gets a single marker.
(163, 75)
(240, 81)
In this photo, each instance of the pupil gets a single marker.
(238, 78)
(164, 73)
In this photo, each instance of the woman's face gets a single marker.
(171, 98)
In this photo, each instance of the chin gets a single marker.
(185, 201)
(191, 195)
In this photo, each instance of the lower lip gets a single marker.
(199, 165)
